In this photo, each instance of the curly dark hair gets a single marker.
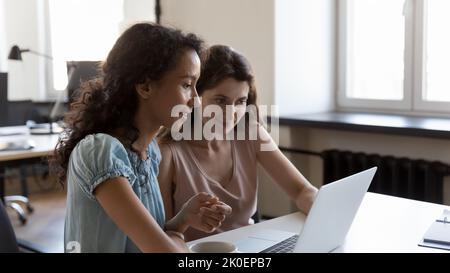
(221, 62)
(144, 52)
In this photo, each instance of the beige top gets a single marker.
(240, 192)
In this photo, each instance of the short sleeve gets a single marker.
(97, 158)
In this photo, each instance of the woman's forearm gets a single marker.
(179, 242)
(305, 198)
(177, 223)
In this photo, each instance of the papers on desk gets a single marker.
(44, 128)
(438, 234)
(16, 145)
(12, 131)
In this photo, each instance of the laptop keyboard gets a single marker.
(285, 246)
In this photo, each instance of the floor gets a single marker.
(45, 226)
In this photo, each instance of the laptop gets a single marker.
(326, 225)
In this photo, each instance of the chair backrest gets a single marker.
(8, 241)
(79, 72)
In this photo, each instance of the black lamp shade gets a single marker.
(15, 54)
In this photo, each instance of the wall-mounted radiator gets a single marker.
(403, 177)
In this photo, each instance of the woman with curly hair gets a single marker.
(108, 156)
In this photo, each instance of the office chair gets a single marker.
(79, 72)
(8, 240)
(14, 201)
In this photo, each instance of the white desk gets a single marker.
(43, 146)
(382, 224)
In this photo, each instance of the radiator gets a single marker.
(403, 177)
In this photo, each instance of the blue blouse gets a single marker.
(95, 159)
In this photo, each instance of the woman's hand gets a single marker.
(203, 212)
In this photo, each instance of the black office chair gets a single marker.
(8, 240)
(79, 72)
(14, 201)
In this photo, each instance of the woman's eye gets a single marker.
(242, 102)
(187, 86)
(220, 101)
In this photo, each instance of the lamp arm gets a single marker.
(37, 53)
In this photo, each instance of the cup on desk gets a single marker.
(213, 247)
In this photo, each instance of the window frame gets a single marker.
(414, 81)
(53, 94)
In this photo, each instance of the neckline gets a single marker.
(133, 153)
(204, 173)
(136, 155)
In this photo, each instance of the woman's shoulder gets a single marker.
(100, 140)
(248, 146)
(173, 146)
(99, 146)
(168, 149)
(97, 158)
(175, 151)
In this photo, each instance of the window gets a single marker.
(81, 30)
(437, 54)
(394, 55)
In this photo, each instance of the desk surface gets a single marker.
(43, 144)
(382, 224)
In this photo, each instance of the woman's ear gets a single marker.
(144, 90)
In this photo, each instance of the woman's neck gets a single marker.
(147, 131)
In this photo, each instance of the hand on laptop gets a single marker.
(203, 212)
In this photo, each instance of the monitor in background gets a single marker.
(79, 72)
(18, 112)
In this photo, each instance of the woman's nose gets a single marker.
(194, 102)
(232, 109)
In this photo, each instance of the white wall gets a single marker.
(22, 28)
(137, 11)
(3, 47)
(305, 55)
(246, 25)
